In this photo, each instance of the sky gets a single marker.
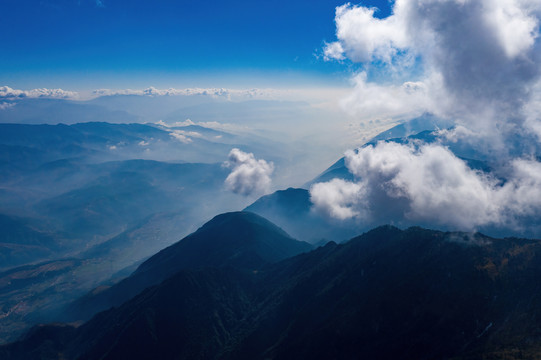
(89, 44)
(473, 63)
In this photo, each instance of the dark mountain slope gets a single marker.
(388, 294)
(172, 320)
(239, 239)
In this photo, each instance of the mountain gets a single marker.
(54, 111)
(425, 124)
(292, 210)
(463, 150)
(307, 224)
(24, 240)
(32, 294)
(390, 293)
(240, 240)
(25, 147)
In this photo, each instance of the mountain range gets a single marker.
(389, 293)
(91, 251)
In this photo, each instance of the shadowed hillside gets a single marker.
(413, 294)
(240, 239)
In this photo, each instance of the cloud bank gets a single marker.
(248, 176)
(212, 92)
(428, 184)
(8, 93)
(473, 60)
(477, 62)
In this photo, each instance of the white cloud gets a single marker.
(333, 51)
(364, 38)
(386, 103)
(339, 199)
(8, 93)
(514, 23)
(186, 122)
(193, 134)
(477, 62)
(180, 136)
(229, 94)
(183, 136)
(428, 184)
(477, 59)
(248, 175)
(6, 105)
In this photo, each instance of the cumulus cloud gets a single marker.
(180, 136)
(248, 175)
(6, 105)
(477, 62)
(340, 199)
(8, 93)
(428, 184)
(363, 37)
(387, 103)
(333, 51)
(183, 136)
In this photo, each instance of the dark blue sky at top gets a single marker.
(65, 42)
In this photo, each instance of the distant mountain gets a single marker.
(110, 215)
(54, 111)
(337, 170)
(292, 210)
(421, 128)
(240, 240)
(110, 195)
(463, 150)
(308, 225)
(94, 142)
(388, 294)
(243, 112)
(97, 200)
(23, 240)
(149, 108)
(425, 122)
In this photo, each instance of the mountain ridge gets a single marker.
(238, 239)
(463, 296)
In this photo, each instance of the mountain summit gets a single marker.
(240, 240)
(388, 294)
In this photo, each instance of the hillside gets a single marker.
(390, 293)
(240, 240)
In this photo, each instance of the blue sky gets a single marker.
(84, 44)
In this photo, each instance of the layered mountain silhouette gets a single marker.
(109, 195)
(240, 240)
(388, 294)
(292, 210)
(21, 241)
